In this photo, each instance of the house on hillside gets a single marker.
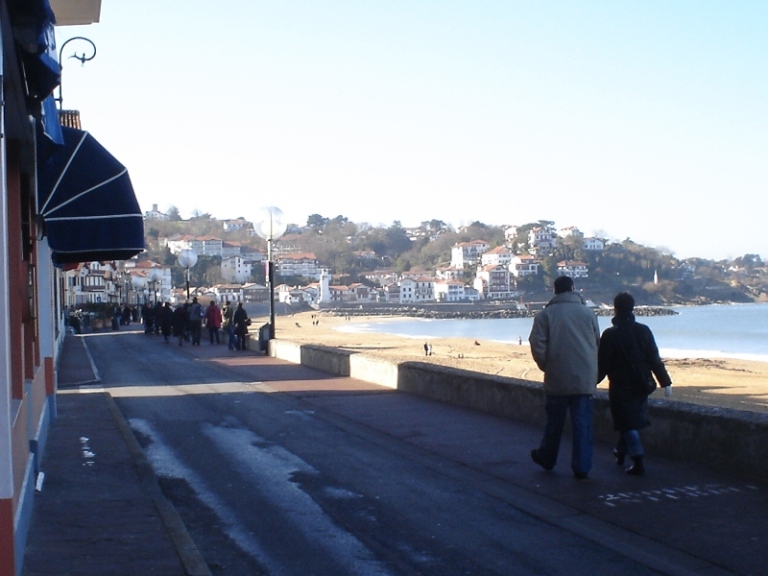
(541, 240)
(524, 265)
(417, 290)
(228, 292)
(493, 282)
(468, 253)
(572, 268)
(449, 273)
(155, 214)
(593, 244)
(450, 291)
(236, 269)
(234, 225)
(499, 256)
(382, 276)
(303, 264)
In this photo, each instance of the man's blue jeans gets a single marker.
(580, 407)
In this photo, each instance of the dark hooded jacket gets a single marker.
(629, 404)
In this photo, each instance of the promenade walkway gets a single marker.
(100, 510)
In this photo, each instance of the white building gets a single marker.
(541, 240)
(449, 273)
(228, 293)
(465, 253)
(570, 231)
(493, 282)
(499, 256)
(450, 291)
(302, 264)
(417, 290)
(593, 244)
(572, 268)
(155, 214)
(236, 269)
(524, 265)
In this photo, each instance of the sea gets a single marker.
(716, 331)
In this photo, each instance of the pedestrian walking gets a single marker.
(228, 325)
(564, 340)
(241, 320)
(180, 323)
(166, 326)
(213, 321)
(629, 357)
(196, 316)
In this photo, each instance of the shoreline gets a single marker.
(717, 382)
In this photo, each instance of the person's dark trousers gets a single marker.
(196, 331)
(213, 333)
(232, 343)
(580, 407)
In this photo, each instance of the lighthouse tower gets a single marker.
(324, 297)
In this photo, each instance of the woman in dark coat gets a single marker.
(628, 355)
(167, 322)
(180, 323)
(240, 319)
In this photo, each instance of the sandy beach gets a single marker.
(738, 384)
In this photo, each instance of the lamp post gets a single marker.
(82, 57)
(138, 283)
(155, 276)
(270, 224)
(187, 259)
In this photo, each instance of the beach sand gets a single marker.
(729, 383)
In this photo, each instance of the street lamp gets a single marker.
(270, 224)
(82, 57)
(187, 259)
(155, 276)
(138, 283)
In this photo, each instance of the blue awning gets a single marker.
(33, 28)
(86, 203)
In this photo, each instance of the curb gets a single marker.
(193, 562)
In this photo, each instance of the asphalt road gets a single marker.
(270, 478)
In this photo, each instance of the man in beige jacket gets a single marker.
(564, 341)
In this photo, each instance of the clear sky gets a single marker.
(646, 120)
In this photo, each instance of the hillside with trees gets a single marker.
(351, 250)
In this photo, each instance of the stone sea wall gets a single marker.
(470, 311)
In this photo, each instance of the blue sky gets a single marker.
(645, 120)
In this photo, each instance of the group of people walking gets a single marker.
(187, 320)
(567, 346)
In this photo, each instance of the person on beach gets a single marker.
(628, 355)
(564, 340)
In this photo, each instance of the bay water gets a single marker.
(716, 331)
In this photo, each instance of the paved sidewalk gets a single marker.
(101, 512)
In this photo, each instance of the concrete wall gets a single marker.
(732, 441)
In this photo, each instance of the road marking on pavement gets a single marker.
(677, 493)
(85, 449)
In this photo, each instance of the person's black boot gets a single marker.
(637, 469)
(619, 456)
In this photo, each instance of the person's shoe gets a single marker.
(619, 456)
(580, 475)
(536, 458)
(637, 469)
